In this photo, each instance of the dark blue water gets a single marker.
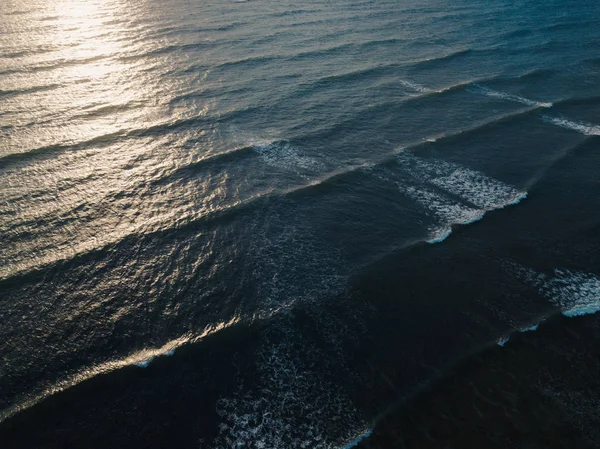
(299, 224)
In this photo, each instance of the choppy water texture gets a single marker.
(305, 224)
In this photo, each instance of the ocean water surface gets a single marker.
(275, 224)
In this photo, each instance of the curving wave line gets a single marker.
(314, 186)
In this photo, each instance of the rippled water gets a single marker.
(272, 224)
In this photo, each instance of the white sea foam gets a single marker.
(414, 86)
(284, 155)
(472, 186)
(293, 405)
(443, 207)
(480, 190)
(584, 128)
(575, 293)
(452, 193)
(477, 88)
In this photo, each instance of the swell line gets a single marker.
(108, 139)
(140, 359)
(314, 187)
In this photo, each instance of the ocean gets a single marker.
(311, 224)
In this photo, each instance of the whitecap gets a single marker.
(474, 187)
(446, 210)
(478, 189)
(575, 293)
(453, 194)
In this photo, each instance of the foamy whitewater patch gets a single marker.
(584, 128)
(444, 209)
(293, 405)
(414, 86)
(452, 193)
(472, 186)
(574, 292)
(283, 155)
(479, 89)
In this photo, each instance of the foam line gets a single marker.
(502, 341)
(587, 129)
(452, 193)
(444, 208)
(479, 89)
(414, 86)
(472, 186)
